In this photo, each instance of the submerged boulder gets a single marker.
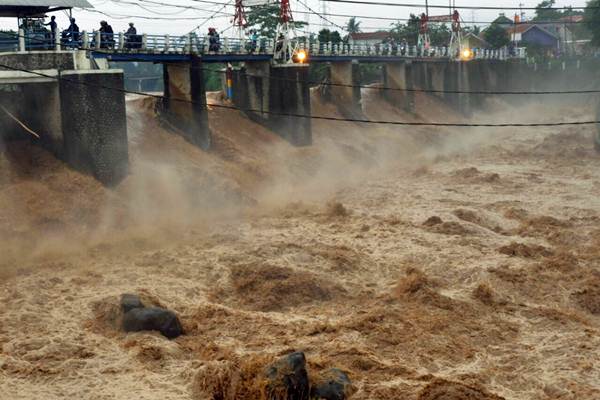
(333, 384)
(287, 378)
(130, 301)
(152, 319)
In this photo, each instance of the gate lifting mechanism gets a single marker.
(455, 47)
(455, 50)
(287, 50)
(239, 20)
(423, 39)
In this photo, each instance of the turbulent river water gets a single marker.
(427, 263)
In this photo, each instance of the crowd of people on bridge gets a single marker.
(38, 36)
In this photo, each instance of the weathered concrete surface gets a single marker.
(276, 97)
(290, 94)
(184, 103)
(256, 75)
(399, 75)
(60, 60)
(347, 96)
(436, 78)
(94, 124)
(456, 81)
(34, 101)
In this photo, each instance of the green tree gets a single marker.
(353, 26)
(475, 30)
(544, 11)
(265, 18)
(439, 35)
(496, 36)
(325, 36)
(591, 19)
(408, 31)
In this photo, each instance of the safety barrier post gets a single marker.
(167, 43)
(144, 41)
(85, 40)
(188, 44)
(57, 41)
(226, 45)
(121, 41)
(98, 39)
(21, 40)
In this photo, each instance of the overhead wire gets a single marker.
(365, 16)
(422, 5)
(306, 116)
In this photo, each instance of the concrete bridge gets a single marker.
(84, 94)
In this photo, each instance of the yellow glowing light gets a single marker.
(301, 56)
(466, 54)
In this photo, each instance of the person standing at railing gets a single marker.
(253, 40)
(71, 34)
(132, 41)
(53, 27)
(214, 41)
(107, 37)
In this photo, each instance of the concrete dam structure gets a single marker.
(77, 105)
(77, 111)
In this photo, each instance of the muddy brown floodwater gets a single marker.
(426, 263)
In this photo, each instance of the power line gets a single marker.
(124, 16)
(321, 15)
(382, 3)
(305, 116)
(158, 3)
(212, 16)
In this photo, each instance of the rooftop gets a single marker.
(381, 35)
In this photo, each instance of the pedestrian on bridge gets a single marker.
(214, 41)
(53, 27)
(71, 34)
(107, 37)
(132, 40)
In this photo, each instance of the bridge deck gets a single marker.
(165, 48)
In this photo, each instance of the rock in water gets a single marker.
(333, 384)
(288, 379)
(130, 301)
(152, 319)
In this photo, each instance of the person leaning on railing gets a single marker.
(71, 36)
(107, 36)
(132, 39)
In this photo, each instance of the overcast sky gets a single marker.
(189, 18)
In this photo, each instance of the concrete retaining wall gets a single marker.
(60, 60)
(266, 93)
(347, 98)
(94, 124)
(184, 103)
(399, 75)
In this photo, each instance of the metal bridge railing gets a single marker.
(194, 44)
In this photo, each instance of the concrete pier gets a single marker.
(94, 125)
(399, 75)
(184, 102)
(347, 98)
(79, 114)
(276, 96)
